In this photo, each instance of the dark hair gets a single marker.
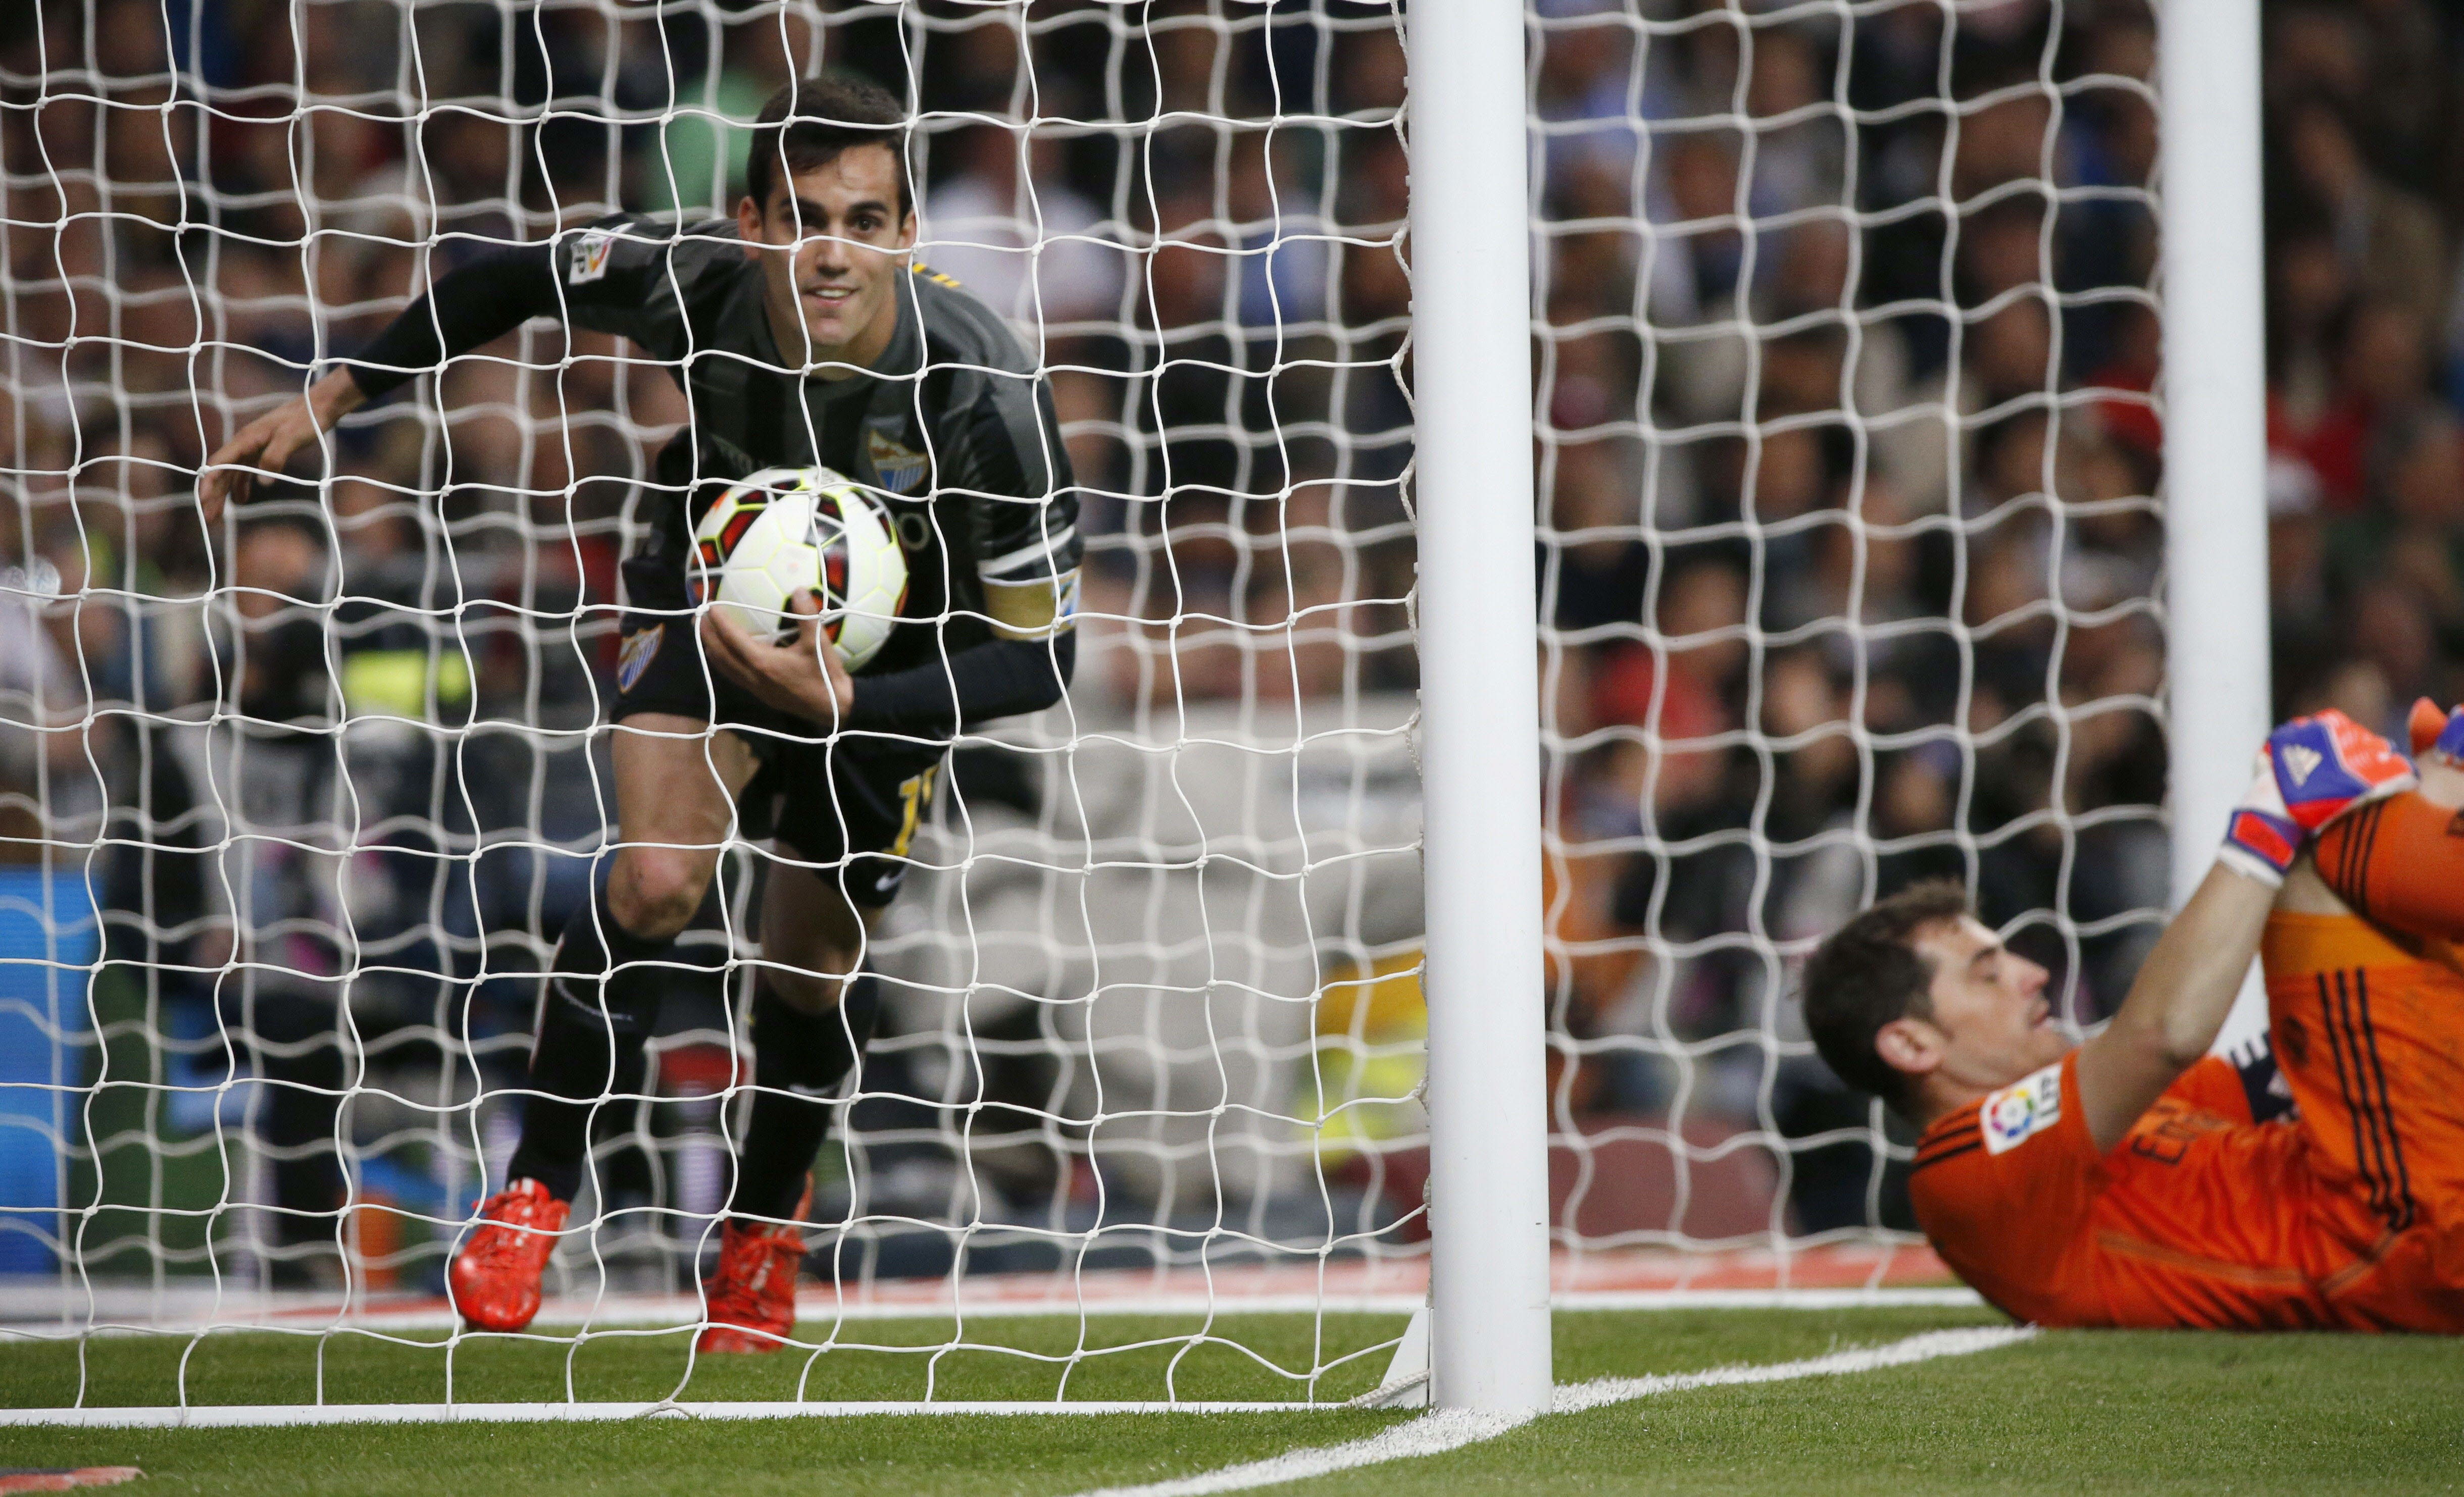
(1869, 973)
(806, 125)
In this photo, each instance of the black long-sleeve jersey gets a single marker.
(953, 427)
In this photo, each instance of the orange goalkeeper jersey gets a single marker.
(2345, 1213)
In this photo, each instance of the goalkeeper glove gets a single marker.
(2311, 771)
(2436, 735)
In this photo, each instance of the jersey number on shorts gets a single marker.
(917, 792)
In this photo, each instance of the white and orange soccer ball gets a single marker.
(786, 532)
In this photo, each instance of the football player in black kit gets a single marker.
(800, 334)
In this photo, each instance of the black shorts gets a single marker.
(848, 801)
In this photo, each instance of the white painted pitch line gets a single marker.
(629, 1312)
(237, 1416)
(1449, 1428)
(1943, 1297)
(1429, 1435)
(1452, 1429)
(1965, 1341)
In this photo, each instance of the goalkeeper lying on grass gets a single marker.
(2133, 1180)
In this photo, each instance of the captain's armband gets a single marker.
(1037, 609)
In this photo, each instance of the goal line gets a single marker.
(635, 1310)
(277, 1416)
(1430, 1434)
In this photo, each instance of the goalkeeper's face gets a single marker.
(1989, 1023)
(832, 243)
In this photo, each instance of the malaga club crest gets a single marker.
(900, 468)
(635, 654)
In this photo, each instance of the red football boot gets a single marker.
(751, 1299)
(495, 1281)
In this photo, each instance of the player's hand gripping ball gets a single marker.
(2310, 771)
(785, 533)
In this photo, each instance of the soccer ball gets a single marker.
(785, 531)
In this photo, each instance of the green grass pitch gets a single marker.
(2075, 1414)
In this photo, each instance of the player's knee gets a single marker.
(655, 891)
(807, 990)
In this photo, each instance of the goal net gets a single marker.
(1844, 339)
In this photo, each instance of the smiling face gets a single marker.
(1990, 1023)
(832, 245)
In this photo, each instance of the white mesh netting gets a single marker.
(1844, 334)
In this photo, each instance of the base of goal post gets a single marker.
(1406, 1383)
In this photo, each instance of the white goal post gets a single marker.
(2215, 435)
(1480, 759)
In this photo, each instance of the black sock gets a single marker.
(582, 1052)
(809, 1053)
(298, 1050)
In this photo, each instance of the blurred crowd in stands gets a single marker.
(1849, 457)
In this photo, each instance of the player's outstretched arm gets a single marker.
(2312, 771)
(472, 305)
(267, 445)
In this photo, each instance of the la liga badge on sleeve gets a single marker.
(2019, 1111)
(589, 260)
